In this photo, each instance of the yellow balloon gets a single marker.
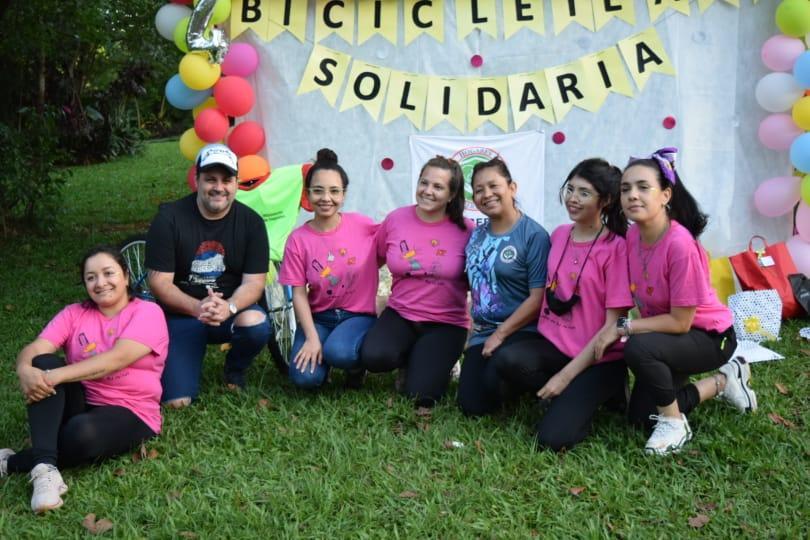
(190, 144)
(801, 113)
(209, 103)
(197, 72)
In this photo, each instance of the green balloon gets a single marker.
(806, 189)
(793, 17)
(180, 32)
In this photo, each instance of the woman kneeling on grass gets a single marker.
(423, 330)
(683, 329)
(333, 255)
(104, 398)
(506, 268)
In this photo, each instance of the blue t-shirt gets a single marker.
(501, 268)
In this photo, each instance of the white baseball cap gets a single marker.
(217, 154)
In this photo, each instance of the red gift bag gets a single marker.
(768, 268)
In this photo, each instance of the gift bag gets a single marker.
(722, 277)
(768, 268)
(801, 290)
(757, 315)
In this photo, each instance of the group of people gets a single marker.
(548, 316)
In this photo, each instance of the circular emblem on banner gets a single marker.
(468, 158)
(508, 254)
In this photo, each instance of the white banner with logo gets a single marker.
(522, 152)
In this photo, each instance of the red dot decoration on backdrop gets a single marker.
(669, 122)
(387, 164)
(476, 60)
(558, 137)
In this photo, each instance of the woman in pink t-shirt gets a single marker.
(104, 398)
(331, 264)
(683, 329)
(424, 327)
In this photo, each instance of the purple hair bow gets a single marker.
(665, 157)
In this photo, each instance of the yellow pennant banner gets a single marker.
(406, 96)
(247, 15)
(518, 14)
(565, 12)
(570, 85)
(529, 96)
(476, 14)
(644, 55)
(446, 100)
(377, 17)
(606, 10)
(287, 15)
(487, 100)
(658, 7)
(334, 17)
(367, 85)
(325, 71)
(606, 74)
(423, 17)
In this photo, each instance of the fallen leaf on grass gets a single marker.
(707, 507)
(408, 495)
(576, 491)
(263, 403)
(698, 521)
(533, 533)
(142, 454)
(153, 454)
(119, 472)
(694, 452)
(96, 527)
(187, 534)
(424, 412)
(778, 420)
(805, 351)
(9, 307)
(782, 389)
(389, 468)
(451, 445)
(479, 446)
(398, 429)
(173, 495)
(389, 402)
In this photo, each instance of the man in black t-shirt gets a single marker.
(208, 256)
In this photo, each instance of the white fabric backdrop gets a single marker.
(716, 55)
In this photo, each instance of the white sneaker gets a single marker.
(668, 436)
(738, 392)
(5, 453)
(48, 488)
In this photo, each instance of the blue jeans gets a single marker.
(188, 339)
(341, 334)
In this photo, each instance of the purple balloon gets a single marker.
(777, 196)
(778, 131)
(800, 253)
(241, 60)
(780, 52)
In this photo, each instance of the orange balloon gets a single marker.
(253, 169)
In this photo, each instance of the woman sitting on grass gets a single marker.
(683, 329)
(423, 330)
(506, 268)
(331, 263)
(104, 398)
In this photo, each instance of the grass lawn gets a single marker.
(276, 462)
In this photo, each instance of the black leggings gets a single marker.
(426, 350)
(66, 431)
(526, 361)
(662, 364)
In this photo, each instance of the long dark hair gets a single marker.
(606, 180)
(326, 159)
(116, 255)
(455, 207)
(682, 206)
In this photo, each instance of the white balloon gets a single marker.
(167, 18)
(777, 92)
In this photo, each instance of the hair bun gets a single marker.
(326, 155)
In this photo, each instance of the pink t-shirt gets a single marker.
(426, 261)
(603, 285)
(84, 332)
(340, 266)
(674, 272)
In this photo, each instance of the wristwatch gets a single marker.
(623, 326)
(232, 308)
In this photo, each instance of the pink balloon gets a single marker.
(800, 253)
(803, 222)
(780, 52)
(242, 60)
(777, 196)
(778, 131)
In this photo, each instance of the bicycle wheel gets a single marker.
(134, 251)
(280, 311)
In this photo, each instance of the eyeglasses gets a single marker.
(320, 192)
